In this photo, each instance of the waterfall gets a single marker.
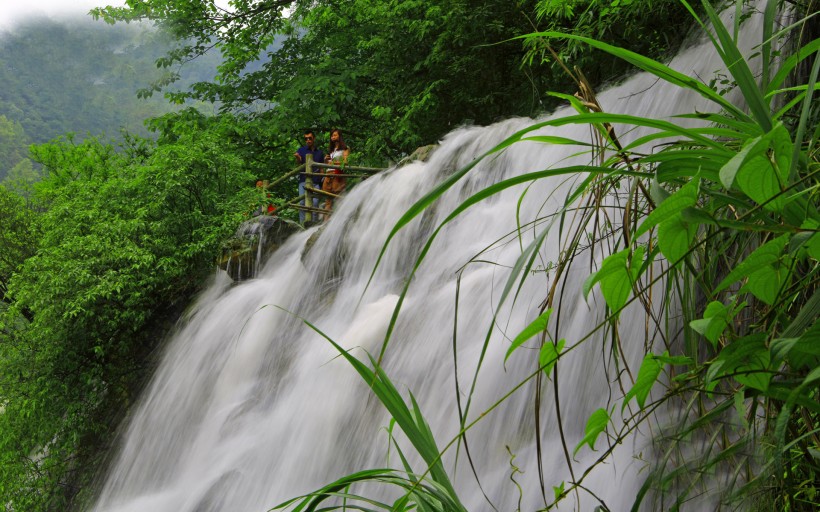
(250, 407)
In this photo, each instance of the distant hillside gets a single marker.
(79, 76)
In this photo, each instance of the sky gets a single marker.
(12, 11)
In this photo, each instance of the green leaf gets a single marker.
(714, 322)
(783, 148)
(740, 71)
(549, 356)
(747, 359)
(665, 358)
(729, 170)
(765, 284)
(613, 265)
(657, 192)
(597, 423)
(759, 180)
(538, 325)
(801, 352)
(647, 375)
(675, 238)
(757, 366)
(672, 206)
(812, 244)
(558, 492)
(616, 276)
(763, 256)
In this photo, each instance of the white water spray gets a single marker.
(250, 407)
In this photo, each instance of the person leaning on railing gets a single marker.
(318, 156)
(337, 154)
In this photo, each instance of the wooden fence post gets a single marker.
(308, 179)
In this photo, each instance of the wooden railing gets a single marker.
(351, 171)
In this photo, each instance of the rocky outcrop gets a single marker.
(255, 240)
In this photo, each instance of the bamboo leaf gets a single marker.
(656, 68)
(791, 62)
(739, 69)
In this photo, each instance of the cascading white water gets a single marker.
(250, 407)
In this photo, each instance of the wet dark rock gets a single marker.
(255, 240)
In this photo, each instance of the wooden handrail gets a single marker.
(324, 175)
(286, 176)
(321, 192)
(310, 190)
(312, 209)
(294, 172)
(350, 167)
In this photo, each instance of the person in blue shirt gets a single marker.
(318, 156)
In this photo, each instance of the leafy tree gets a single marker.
(394, 75)
(17, 235)
(127, 236)
(12, 144)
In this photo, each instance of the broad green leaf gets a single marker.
(616, 276)
(694, 216)
(800, 352)
(558, 491)
(597, 423)
(549, 356)
(613, 265)
(812, 377)
(714, 322)
(753, 147)
(764, 255)
(657, 192)
(745, 359)
(671, 206)
(765, 284)
(757, 366)
(538, 325)
(647, 375)
(675, 238)
(812, 243)
(813, 246)
(783, 147)
(758, 179)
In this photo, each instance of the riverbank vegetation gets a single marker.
(101, 253)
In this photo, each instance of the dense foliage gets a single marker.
(125, 237)
(393, 75)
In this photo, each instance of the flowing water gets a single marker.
(250, 407)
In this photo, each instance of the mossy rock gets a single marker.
(242, 256)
